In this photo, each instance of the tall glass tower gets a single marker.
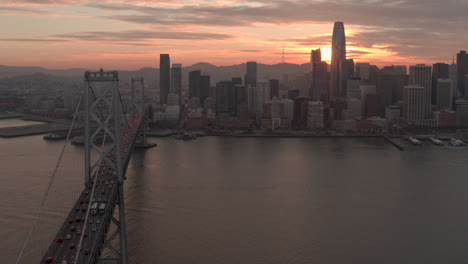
(338, 58)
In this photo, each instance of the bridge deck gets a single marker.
(106, 190)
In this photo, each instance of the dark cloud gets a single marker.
(141, 35)
(44, 40)
(128, 38)
(22, 9)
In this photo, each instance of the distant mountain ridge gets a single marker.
(151, 75)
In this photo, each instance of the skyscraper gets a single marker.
(205, 85)
(420, 75)
(444, 94)
(439, 70)
(225, 98)
(319, 71)
(194, 84)
(338, 58)
(164, 77)
(315, 57)
(462, 64)
(414, 104)
(251, 75)
(176, 79)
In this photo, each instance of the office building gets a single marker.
(338, 58)
(439, 71)
(164, 77)
(205, 87)
(274, 89)
(194, 84)
(262, 95)
(362, 71)
(414, 104)
(251, 75)
(176, 80)
(421, 75)
(462, 67)
(444, 94)
(225, 98)
(315, 115)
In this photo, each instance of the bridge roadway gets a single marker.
(106, 191)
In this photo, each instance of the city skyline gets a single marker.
(124, 35)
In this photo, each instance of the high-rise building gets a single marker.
(453, 73)
(251, 75)
(315, 57)
(236, 81)
(274, 89)
(420, 75)
(176, 80)
(353, 109)
(315, 115)
(338, 58)
(353, 89)
(194, 84)
(318, 87)
(262, 96)
(444, 94)
(439, 71)
(462, 64)
(164, 77)
(390, 85)
(205, 84)
(414, 104)
(362, 71)
(225, 98)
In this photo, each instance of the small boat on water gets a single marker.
(457, 143)
(186, 136)
(436, 142)
(159, 133)
(54, 136)
(414, 141)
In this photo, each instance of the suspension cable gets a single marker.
(40, 211)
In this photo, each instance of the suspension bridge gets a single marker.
(91, 220)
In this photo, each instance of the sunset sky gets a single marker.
(127, 34)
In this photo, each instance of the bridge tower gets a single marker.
(138, 104)
(103, 123)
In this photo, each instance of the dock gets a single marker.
(395, 144)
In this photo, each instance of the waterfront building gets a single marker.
(353, 109)
(164, 77)
(462, 111)
(414, 104)
(393, 113)
(421, 75)
(315, 115)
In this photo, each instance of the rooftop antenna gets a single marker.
(282, 57)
